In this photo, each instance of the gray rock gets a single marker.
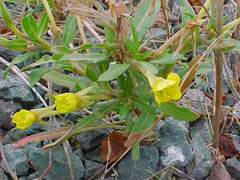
(173, 144)
(174, 6)
(236, 142)
(94, 155)
(3, 175)
(74, 116)
(91, 168)
(200, 129)
(9, 54)
(14, 88)
(33, 176)
(211, 80)
(60, 171)
(16, 159)
(109, 178)
(129, 169)
(192, 98)
(80, 154)
(156, 33)
(202, 162)
(6, 110)
(91, 139)
(233, 167)
(236, 106)
(14, 135)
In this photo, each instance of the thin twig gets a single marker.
(165, 17)
(50, 153)
(81, 29)
(233, 89)
(66, 148)
(218, 73)
(92, 31)
(12, 174)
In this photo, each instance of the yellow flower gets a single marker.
(66, 102)
(24, 118)
(165, 89)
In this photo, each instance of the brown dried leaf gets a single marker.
(5, 30)
(226, 146)
(113, 146)
(123, 24)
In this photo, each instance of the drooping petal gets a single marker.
(174, 77)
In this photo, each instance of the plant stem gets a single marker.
(218, 73)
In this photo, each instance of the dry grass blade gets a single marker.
(85, 11)
(187, 79)
(12, 174)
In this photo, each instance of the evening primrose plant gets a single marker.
(122, 72)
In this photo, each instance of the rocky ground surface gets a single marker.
(181, 151)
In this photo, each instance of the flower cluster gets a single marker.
(165, 89)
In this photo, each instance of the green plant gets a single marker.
(142, 74)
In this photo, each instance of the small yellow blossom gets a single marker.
(66, 102)
(24, 118)
(165, 89)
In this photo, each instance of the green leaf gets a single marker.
(67, 81)
(145, 54)
(69, 29)
(110, 35)
(204, 68)
(18, 44)
(177, 112)
(92, 58)
(36, 75)
(127, 86)
(113, 72)
(236, 43)
(187, 12)
(133, 48)
(123, 111)
(168, 59)
(148, 67)
(91, 74)
(42, 24)
(134, 32)
(143, 105)
(19, 59)
(30, 27)
(64, 49)
(4, 42)
(135, 151)
(143, 20)
(143, 122)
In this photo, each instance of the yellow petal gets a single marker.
(173, 92)
(161, 96)
(23, 118)
(66, 102)
(174, 77)
(161, 84)
(151, 78)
